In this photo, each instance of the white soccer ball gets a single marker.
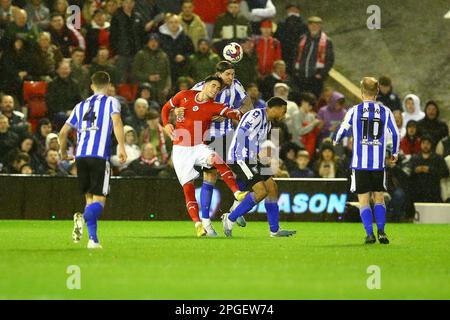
(233, 52)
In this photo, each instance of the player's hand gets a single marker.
(394, 160)
(179, 112)
(169, 129)
(65, 156)
(122, 155)
(334, 143)
(218, 118)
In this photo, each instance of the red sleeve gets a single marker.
(173, 102)
(228, 112)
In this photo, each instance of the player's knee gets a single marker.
(210, 176)
(261, 192)
(272, 188)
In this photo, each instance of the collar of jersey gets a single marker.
(199, 101)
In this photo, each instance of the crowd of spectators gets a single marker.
(166, 46)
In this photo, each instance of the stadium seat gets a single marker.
(34, 96)
(128, 91)
(33, 89)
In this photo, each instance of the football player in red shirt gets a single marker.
(189, 149)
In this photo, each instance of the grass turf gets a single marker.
(164, 260)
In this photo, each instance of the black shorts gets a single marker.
(251, 174)
(93, 175)
(363, 181)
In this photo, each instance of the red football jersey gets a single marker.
(191, 130)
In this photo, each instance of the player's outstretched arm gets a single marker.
(63, 133)
(120, 136)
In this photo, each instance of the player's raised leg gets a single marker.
(379, 210)
(227, 176)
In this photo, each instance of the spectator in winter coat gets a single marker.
(152, 65)
(427, 169)
(176, 44)
(8, 141)
(230, 26)
(314, 58)
(289, 32)
(411, 109)
(246, 69)
(203, 62)
(431, 125)
(192, 25)
(97, 35)
(386, 96)
(268, 49)
(332, 114)
(126, 37)
(410, 143)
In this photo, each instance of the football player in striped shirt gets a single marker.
(245, 160)
(371, 125)
(234, 96)
(94, 119)
(189, 149)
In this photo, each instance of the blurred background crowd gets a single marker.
(153, 49)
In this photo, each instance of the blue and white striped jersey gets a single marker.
(371, 123)
(93, 121)
(232, 97)
(251, 133)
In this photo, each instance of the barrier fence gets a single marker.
(141, 198)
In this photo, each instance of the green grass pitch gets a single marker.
(164, 260)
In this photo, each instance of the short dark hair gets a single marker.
(22, 156)
(385, 81)
(427, 137)
(214, 78)
(223, 66)
(100, 79)
(56, 14)
(276, 102)
(78, 49)
(308, 97)
(252, 85)
(411, 123)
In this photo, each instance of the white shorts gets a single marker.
(186, 157)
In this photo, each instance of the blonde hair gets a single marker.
(369, 86)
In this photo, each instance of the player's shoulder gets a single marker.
(237, 84)
(198, 86)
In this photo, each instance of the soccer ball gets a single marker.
(233, 52)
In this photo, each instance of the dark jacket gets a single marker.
(8, 141)
(62, 95)
(136, 123)
(312, 71)
(93, 32)
(202, 65)
(425, 187)
(289, 33)
(181, 44)
(11, 63)
(64, 39)
(141, 168)
(126, 33)
(390, 100)
(246, 69)
(436, 128)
